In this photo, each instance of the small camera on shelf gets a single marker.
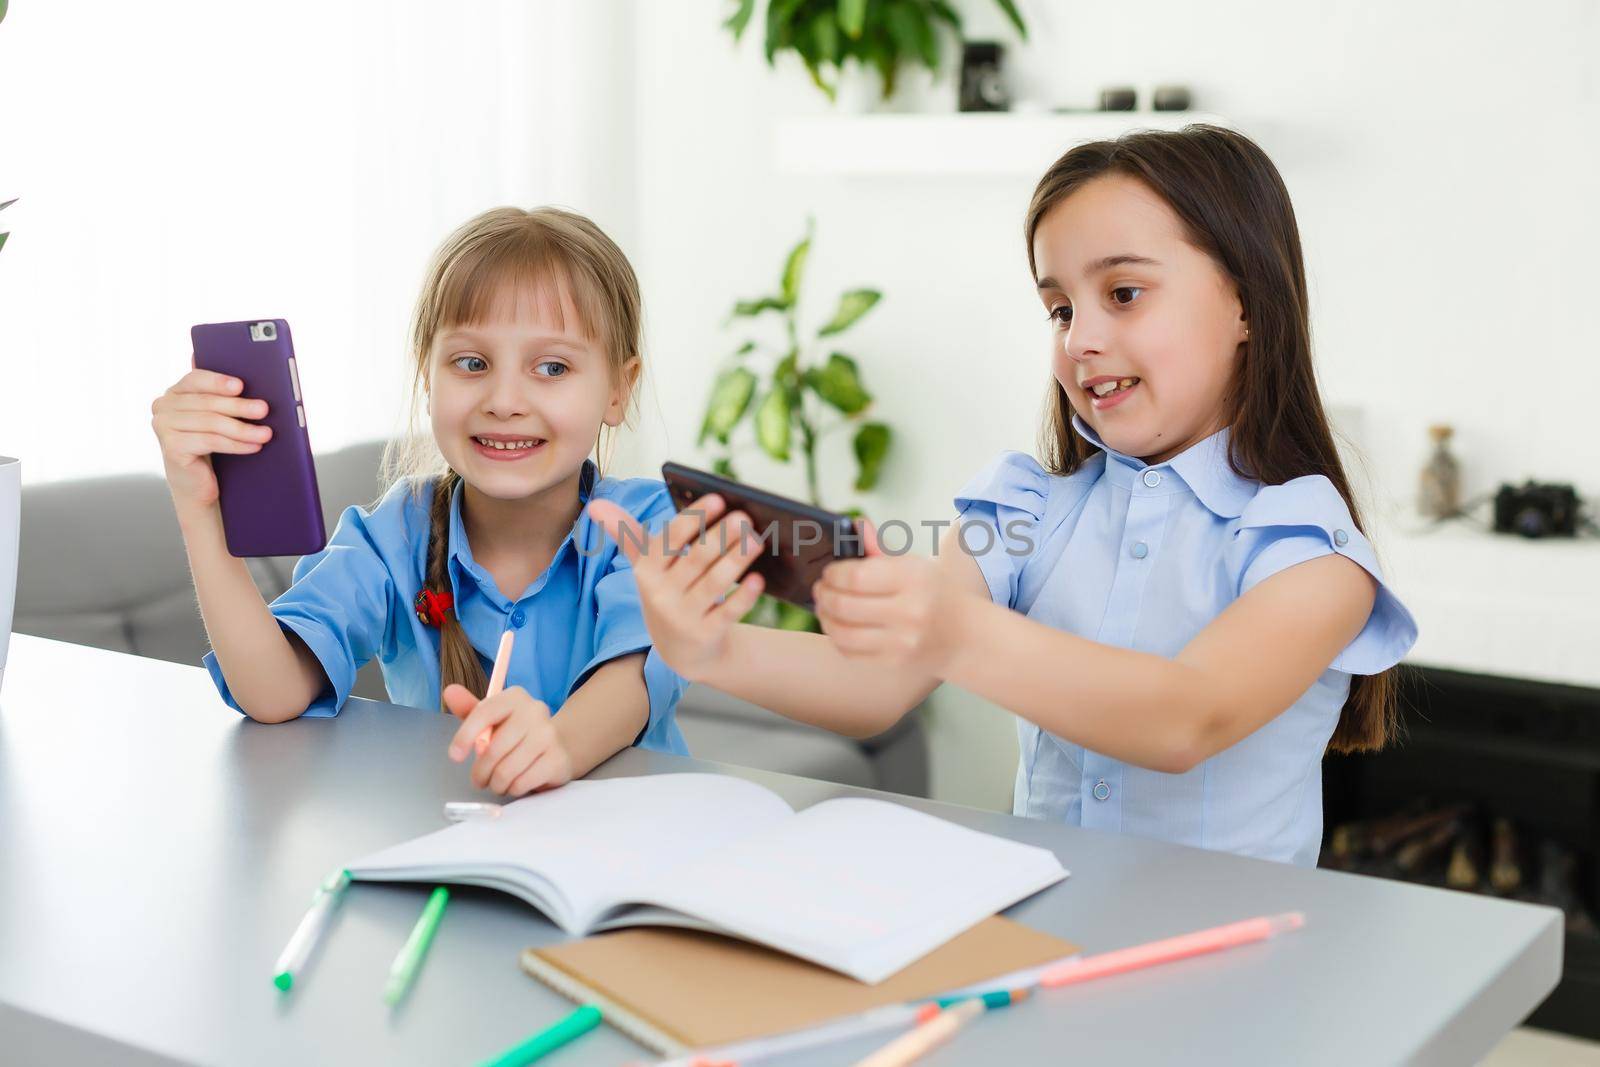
(983, 86)
(1535, 510)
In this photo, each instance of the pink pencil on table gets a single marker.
(1173, 948)
(497, 682)
(961, 1006)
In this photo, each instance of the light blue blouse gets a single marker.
(1144, 558)
(354, 601)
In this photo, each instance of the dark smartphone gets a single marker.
(270, 503)
(799, 539)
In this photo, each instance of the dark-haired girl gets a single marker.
(1178, 603)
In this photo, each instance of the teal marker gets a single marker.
(572, 1027)
(309, 932)
(998, 998)
(404, 968)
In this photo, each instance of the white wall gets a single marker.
(1441, 157)
(199, 162)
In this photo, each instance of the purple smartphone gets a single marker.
(270, 504)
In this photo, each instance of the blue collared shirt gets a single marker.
(354, 601)
(1145, 557)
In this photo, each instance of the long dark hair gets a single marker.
(1234, 206)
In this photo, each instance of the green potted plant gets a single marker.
(791, 399)
(877, 35)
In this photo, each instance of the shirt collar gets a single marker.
(460, 560)
(1204, 468)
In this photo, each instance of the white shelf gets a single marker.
(955, 143)
(1495, 603)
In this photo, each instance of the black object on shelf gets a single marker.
(1119, 98)
(1170, 98)
(983, 87)
(1511, 769)
(1536, 510)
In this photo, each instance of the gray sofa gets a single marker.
(102, 564)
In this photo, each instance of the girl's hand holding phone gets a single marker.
(201, 414)
(900, 610)
(525, 752)
(685, 574)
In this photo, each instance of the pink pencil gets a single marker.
(497, 682)
(1173, 948)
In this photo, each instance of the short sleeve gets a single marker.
(999, 516)
(1302, 520)
(338, 604)
(619, 623)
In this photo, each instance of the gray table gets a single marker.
(156, 851)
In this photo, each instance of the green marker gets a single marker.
(572, 1027)
(405, 965)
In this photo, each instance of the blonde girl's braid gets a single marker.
(458, 660)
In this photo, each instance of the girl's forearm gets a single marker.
(802, 676)
(605, 714)
(1133, 706)
(272, 678)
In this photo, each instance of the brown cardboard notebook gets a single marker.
(676, 990)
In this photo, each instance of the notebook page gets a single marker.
(575, 851)
(861, 886)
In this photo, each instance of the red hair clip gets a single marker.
(431, 607)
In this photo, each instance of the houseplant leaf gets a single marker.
(825, 35)
(794, 618)
(784, 377)
(852, 17)
(748, 308)
(736, 21)
(912, 33)
(724, 466)
(811, 43)
(1010, 8)
(772, 425)
(730, 396)
(871, 445)
(878, 49)
(942, 10)
(852, 305)
(780, 28)
(765, 612)
(794, 268)
(839, 384)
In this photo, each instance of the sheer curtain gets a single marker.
(196, 162)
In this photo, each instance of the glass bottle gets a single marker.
(1439, 489)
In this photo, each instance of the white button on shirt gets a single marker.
(1145, 558)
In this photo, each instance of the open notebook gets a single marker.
(860, 886)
